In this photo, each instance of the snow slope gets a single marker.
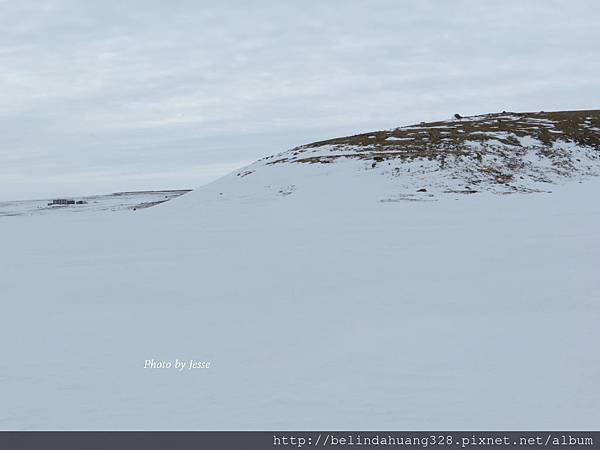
(322, 299)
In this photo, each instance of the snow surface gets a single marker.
(109, 202)
(321, 302)
(394, 138)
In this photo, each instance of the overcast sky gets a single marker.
(100, 96)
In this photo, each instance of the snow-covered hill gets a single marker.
(322, 299)
(501, 153)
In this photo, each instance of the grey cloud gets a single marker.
(123, 87)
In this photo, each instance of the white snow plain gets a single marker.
(320, 304)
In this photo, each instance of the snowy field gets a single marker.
(111, 202)
(319, 303)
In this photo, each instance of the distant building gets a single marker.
(61, 201)
(66, 202)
